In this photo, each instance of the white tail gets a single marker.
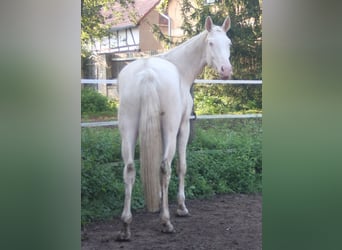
(150, 140)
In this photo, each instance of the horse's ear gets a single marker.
(226, 24)
(208, 23)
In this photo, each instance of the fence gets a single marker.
(197, 81)
(203, 81)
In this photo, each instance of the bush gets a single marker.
(93, 102)
(226, 99)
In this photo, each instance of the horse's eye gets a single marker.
(211, 43)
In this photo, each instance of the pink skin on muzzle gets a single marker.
(226, 71)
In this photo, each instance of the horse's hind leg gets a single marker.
(183, 137)
(165, 175)
(129, 136)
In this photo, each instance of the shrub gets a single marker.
(225, 99)
(92, 102)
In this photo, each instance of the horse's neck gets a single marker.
(189, 58)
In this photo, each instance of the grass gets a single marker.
(223, 157)
(99, 116)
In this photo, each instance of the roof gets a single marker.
(128, 16)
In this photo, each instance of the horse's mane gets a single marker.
(186, 43)
(203, 34)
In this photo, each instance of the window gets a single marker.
(209, 1)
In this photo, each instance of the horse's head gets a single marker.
(218, 47)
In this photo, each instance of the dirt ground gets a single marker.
(222, 222)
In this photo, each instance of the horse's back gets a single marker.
(163, 69)
(164, 74)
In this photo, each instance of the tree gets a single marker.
(246, 52)
(93, 22)
(97, 17)
(245, 31)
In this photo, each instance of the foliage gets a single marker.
(100, 146)
(162, 6)
(224, 157)
(246, 51)
(102, 189)
(92, 102)
(102, 193)
(245, 31)
(225, 160)
(93, 23)
(216, 99)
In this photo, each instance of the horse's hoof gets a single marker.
(168, 228)
(182, 213)
(123, 236)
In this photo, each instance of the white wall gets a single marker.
(122, 40)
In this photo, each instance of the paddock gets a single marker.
(223, 222)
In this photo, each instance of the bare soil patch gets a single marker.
(222, 222)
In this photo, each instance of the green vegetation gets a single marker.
(94, 104)
(216, 99)
(224, 157)
(93, 23)
(209, 99)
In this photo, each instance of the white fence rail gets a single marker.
(197, 81)
(99, 81)
(115, 123)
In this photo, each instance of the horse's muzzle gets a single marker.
(226, 72)
(226, 76)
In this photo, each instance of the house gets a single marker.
(130, 36)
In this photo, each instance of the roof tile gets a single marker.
(128, 16)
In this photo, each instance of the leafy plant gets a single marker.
(93, 102)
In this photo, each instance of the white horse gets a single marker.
(155, 103)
